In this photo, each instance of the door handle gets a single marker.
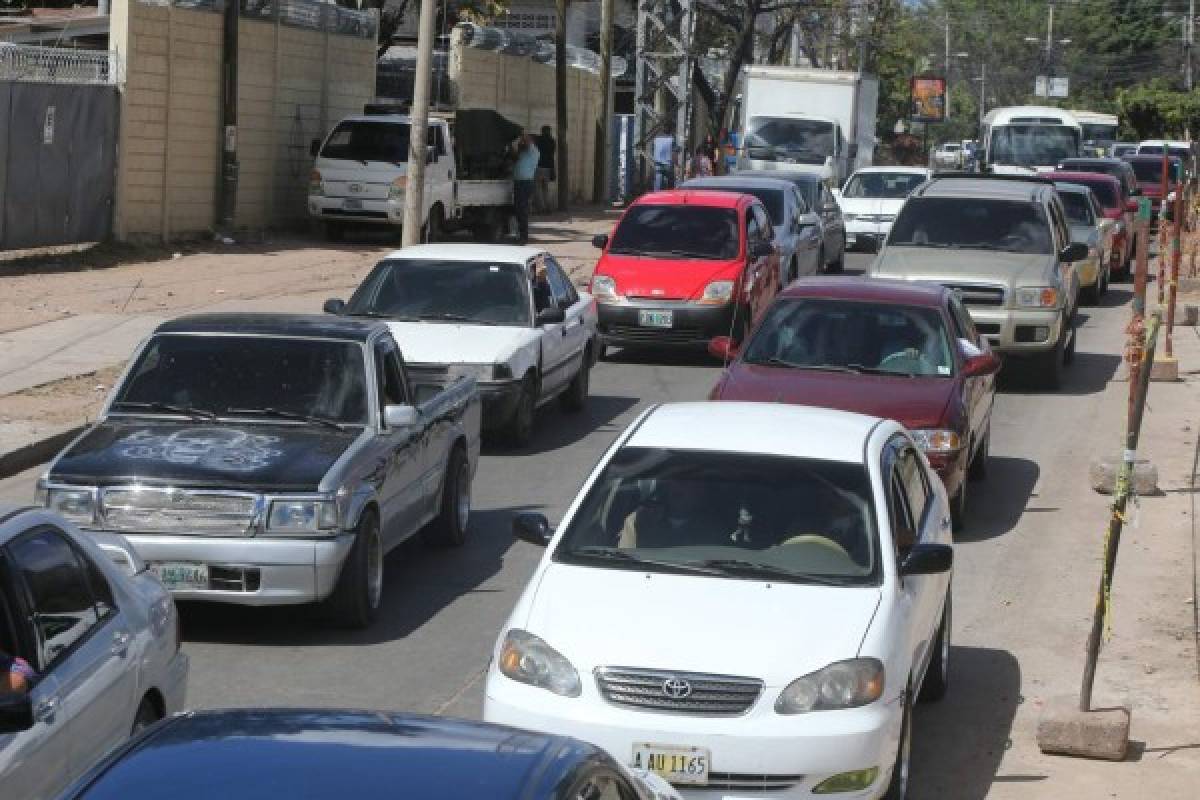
(120, 643)
(46, 709)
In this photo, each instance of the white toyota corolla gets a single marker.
(745, 599)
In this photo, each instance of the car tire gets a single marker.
(519, 430)
(1048, 367)
(1090, 295)
(335, 231)
(958, 508)
(147, 714)
(574, 399)
(793, 271)
(435, 227)
(838, 266)
(937, 675)
(449, 527)
(356, 599)
(898, 786)
(978, 468)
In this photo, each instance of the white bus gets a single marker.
(1020, 139)
(1099, 130)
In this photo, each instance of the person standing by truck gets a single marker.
(546, 169)
(663, 151)
(524, 173)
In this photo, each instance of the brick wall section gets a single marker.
(523, 91)
(293, 84)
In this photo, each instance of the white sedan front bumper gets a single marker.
(759, 754)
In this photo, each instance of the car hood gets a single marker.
(752, 628)
(913, 402)
(441, 343)
(658, 278)
(954, 266)
(871, 205)
(231, 455)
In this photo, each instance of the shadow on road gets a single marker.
(1089, 373)
(555, 428)
(958, 743)
(995, 505)
(1116, 296)
(419, 581)
(662, 356)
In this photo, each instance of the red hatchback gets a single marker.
(1115, 204)
(896, 349)
(684, 266)
(1149, 172)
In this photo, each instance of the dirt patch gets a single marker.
(66, 402)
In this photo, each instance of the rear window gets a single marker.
(679, 231)
(1105, 193)
(1011, 226)
(1079, 211)
(1147, 170)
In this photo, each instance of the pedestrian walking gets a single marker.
(701, 165)
(524, 172)
(663, 151)
(546, 174)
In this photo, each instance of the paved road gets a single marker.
(442, 610)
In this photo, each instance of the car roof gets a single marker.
(883, 290)
(490, 253)
(366, 755)
(790, 175)
(684, 197)
(324, 326)
(1115, 162)
(1144, 157)
(754, 429)
(1073, 188)
(893, 170)
(1074, 176)
(984, 187)
(732, 181)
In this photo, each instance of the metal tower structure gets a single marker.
(663, 88)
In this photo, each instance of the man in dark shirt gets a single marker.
(546, 174)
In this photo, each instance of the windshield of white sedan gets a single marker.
(302, 380)
(896, 185)
(854, 337)
(678, 231)
(477, 293)
(728, 515)
(950, 222)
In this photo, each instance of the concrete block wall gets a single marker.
(293, 85)
(523, 90)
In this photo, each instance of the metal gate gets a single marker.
(58, 146)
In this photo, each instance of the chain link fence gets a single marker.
(32, 64)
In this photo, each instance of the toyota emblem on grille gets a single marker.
(676, 688)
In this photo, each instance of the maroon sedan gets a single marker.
(896, 349)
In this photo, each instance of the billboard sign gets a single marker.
(928, 95)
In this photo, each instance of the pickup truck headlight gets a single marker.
(933, 440)
(1037, 297)
(844, 684)
(604, 289)
(399, 185)
(77, 505)
(316, 184)
(717, 293)
(527, 659)
(301, 516)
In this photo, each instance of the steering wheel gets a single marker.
(816, 538)
(912, 354)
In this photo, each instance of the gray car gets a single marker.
(797, 232)
(101, 633)
(824, 209)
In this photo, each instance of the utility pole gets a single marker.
(1189, 41)
(982, 95)
(948, 104)
(418, 136)
(560, 101)
(606, 45)
(229, 108)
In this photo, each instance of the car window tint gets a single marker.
(764, 223)
(1078, 207)
(800, 201)
(916, 489)
(903, 528)
(388, 375)
(1012, 226)
(753, 229)
(564, 293)
(63, 608)
(101, 589)
(964, 326)
(669, 230)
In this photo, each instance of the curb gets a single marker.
(36, 452)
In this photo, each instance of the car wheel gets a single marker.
(898, 786)
(575, 397)
(978, 468)
(1091, 294)
(435, 227)
(449, 528)
(147, 715)
(520, 427)
(356, 598)
(937, 676)
(958, 507)
(1048, 367)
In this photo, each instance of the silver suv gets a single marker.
(1005, 245)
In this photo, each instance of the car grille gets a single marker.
(172, 511)
(689, 693)
(976, 295)
(750, 782)
(651, 336)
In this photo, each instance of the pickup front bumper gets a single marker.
(1018, 331)
(348, 209)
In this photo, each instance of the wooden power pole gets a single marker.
(560, 102)
(606, 46)
(418, 126)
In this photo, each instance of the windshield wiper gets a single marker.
(169, 408)
(616, 554)
(878, 371)
(449, 317)
(281, 414)
(779, 362)
(752, 569)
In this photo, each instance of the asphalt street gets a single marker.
(443, 609)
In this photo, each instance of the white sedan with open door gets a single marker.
(745, 599)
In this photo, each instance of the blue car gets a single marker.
(300, 754)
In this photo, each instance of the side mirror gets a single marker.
(1075, 251)
(1131, 206)
(761, 249)
(399, 416)
(16, 712)
(550, 316)
(928, 559)
(600, 241)
(722, 347)
(983, 364)
(314, 147)
(334, 305)
(532, 528)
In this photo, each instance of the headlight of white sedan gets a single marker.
(301, 516)
(527, 659)
(77, 505)
(844, 684)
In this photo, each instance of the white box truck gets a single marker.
(811, 120)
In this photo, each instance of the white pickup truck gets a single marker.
(360, 175)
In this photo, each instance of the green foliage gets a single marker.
(1153, 111)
